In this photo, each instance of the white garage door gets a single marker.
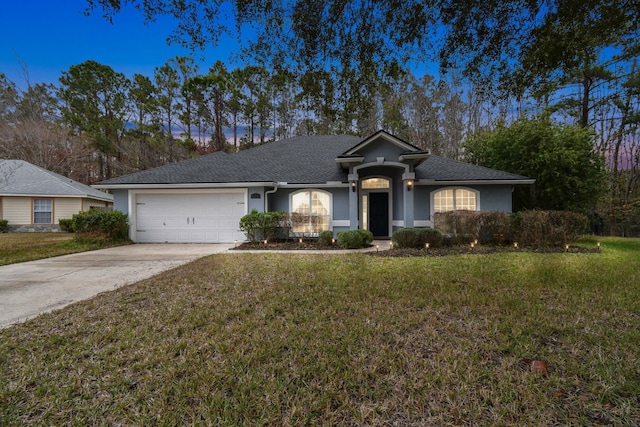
(189, 218)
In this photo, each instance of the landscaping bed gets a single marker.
(314, 245)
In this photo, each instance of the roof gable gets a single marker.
(375, 139)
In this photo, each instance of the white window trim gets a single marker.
(33, 210)
(311, 190)
(433, 193)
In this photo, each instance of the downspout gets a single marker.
(266, 197)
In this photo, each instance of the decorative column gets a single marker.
(408, 180)
(353, 201)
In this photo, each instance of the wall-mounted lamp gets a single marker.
(353, 186)
(409, 184)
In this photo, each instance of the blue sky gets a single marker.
(49, 36)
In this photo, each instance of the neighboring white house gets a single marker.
(34, 199)
(380, 183)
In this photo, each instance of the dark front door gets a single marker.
(379, 214)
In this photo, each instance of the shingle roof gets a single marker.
(298, 160)
(441, 169)
(20, 178)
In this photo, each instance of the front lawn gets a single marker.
(341, 339)
(22, 247)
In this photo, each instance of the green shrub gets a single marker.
(367, 236)
(259, 226)
(66, 224)
(98, 225)
(548, 228)
(416, 238)
(4, 225)
(351, 239)
(326, 237)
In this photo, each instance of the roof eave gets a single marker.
(185, 185)
(526, 181)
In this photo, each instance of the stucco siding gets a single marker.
(17, 210)
(256, 199)
(121, 200)
(495, 198)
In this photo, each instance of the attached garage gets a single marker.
(188, 217)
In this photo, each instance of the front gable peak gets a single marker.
(382, 145)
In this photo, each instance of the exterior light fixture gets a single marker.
(353, 186)
(566, 248)
(235, 243)
(515, 245)
(377, 248)
(426, 245)
(333, 241)
(409, 184)
(300, 240)
(472, 245)
(390, 245)
(265, 241)
(475, 242)
(598, 245)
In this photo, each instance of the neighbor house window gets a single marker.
(42, 211)
(310, 212)
(455, 199)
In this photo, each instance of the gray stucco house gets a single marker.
(379, 183)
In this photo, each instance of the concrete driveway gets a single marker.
(31, 288)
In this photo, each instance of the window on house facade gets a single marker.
(455, 199)
(310, 211)
(42, 211)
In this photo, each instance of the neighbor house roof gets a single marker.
(298, 160)
(20, 178)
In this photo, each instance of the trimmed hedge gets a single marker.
(326, 237)
(548, 228)
(352, 239)
(416, 238)
(98, 225)
(4, 225)
(529, 228)
(66, 224)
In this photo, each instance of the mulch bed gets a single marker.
(478, 250)
(443, 251)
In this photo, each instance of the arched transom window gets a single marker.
(455, 199)
(310, 211)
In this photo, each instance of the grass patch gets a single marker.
(350, 339)
(22, 247)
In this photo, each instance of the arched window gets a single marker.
(455, 199)
(310, 212)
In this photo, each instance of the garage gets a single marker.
(202, 217)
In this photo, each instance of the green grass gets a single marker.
(22, 247)
(295, 339)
